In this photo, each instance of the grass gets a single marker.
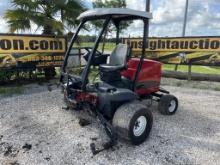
(217, 88)
(11, 90)
(195, 69)
(109, 46)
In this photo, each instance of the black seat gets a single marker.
(118, 59)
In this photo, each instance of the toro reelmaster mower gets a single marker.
(124, 81)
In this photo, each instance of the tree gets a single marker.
(109, 4)
(52, 16)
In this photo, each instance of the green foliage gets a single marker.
(10, 90)
(44, 14)
(217, 88)
(6, 75)
(195, 68)
(109, 4)
(109, 46)
(87, 38)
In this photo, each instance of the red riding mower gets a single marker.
(124, 81)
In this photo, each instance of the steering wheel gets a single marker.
(89, 50)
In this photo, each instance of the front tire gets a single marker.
(133, 122)
(168, 105)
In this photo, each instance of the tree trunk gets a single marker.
(194, 76)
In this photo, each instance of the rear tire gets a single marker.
(168, 105)
(133, 122)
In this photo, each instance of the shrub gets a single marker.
(6, 75)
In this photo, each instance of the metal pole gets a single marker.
(70, 46)
(183, 34)
(185, 17)
(184, 24)
(146, 26)
(85, 72)
(145, 42)
(147, 5)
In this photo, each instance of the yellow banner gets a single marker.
(181, 50)
(185, 44)
(31, 44)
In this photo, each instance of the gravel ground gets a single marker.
(34, 129)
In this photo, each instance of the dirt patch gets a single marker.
(14, 163)
(84, 122)
(27, 147)
(8, 149)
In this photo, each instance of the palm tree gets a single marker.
(53, 16)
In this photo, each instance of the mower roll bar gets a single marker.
(69, 49)
(145, 38)
(105, 25)
(87, 69)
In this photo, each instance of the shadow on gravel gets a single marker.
(18, 82)
(28, 87)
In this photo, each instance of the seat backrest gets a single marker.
(119, 55)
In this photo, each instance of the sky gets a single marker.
(203, 17)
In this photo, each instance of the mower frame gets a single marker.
(89, 95)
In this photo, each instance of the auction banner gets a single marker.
(179, 50)
(31, 51)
